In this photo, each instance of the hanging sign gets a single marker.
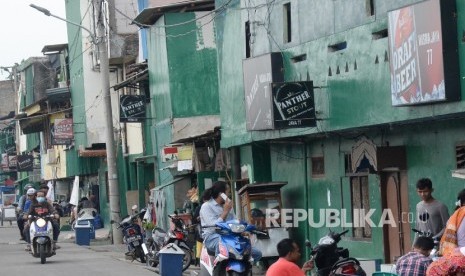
(293, 104)
(25, 163)
(132, 108)
(62, 132)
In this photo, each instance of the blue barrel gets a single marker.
(171, 260)
(82, 231)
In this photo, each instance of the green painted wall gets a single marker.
(366, 88)
(76, 69)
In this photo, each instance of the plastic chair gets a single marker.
(383, 274)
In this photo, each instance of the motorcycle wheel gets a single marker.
(151, 256)
(235, 273)
(140, 254)
(42, 254)
(187, 259)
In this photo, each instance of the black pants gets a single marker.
(20, 222)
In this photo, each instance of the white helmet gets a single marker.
(31, 191)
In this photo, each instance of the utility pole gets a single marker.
(100, 40)
(113, 192)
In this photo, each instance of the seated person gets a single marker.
(416, 261)
(39, 207)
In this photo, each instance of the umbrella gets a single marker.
(74, 199)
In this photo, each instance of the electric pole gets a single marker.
(113, 191)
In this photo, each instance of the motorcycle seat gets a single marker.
(211, 253)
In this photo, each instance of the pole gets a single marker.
(115, 213)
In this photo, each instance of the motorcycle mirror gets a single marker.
(176, 212)
(134, 207)
(308, 243)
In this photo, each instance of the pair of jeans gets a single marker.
(211, 243)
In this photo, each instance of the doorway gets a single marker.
(394, 194)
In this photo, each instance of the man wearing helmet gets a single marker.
(22, 208)
(40, 207)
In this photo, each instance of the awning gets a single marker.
(54, 49)
(133, 80)
(150, 15)
(32, 124)
(169, 183)
(92, 153)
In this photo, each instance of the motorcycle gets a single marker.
(235, 249)
(332, 260)
(41, 231)
(160, 238)
(434, 255)
(132, 236)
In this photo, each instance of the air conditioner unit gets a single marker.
(51, 156)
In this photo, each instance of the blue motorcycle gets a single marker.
(235, 249)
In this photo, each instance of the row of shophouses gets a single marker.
(349, 102)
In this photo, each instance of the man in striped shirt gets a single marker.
(417, 261)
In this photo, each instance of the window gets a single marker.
(460, 155)
(360, 206)
(287, 22)
(247, 39)
(318, 167)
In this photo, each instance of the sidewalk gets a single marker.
(102, 244)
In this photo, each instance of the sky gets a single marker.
(24, 31)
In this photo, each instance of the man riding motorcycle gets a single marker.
(41, 207)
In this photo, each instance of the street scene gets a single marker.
(232, 137)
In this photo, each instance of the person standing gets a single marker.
(416, 262)
(286, 265)
(432, 215)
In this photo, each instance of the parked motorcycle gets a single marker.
(132, 236)
(434, 255)
(41, 231)
(160, 238)
(235, 249)
(332, 260)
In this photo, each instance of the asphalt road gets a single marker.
(70, 260)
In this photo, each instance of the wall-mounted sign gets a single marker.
(259, 73)
(12, 161)
(62, 131)
(132, 108)
(422, 42)
(177, 152)
(5, 162)
(25, 163)
(293, 104)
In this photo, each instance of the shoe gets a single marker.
(21, 239)
(28, 247)
(55, 246)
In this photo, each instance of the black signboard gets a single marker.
(259, 73)
(132, 108)
(10, 148)
(25, 163)
(293, 104)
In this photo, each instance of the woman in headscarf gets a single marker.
(450, 265)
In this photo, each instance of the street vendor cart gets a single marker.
(261, 205)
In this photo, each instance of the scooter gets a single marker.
(132, 236)
(41, 231)
(332, 260)
(235, 249)
(434, 255)
(160, 238)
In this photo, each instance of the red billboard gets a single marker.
(417, 55)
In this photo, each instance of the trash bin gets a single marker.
(82, 231)
(171, 257)
(84, 221)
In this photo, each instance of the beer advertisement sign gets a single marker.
(293, 104)
(62, 131)
(25, 163)
(416, 46)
